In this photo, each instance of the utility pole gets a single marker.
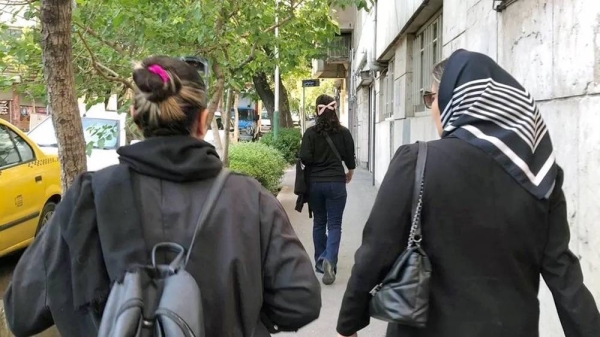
(303, 114)
(276, 112)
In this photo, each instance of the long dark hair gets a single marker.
(327, 120)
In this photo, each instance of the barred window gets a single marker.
(387, 90)
(427, 49)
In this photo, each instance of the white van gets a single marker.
(112, 122)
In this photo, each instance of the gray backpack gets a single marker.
(159, 299)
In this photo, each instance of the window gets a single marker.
(25, 151)
(387, 90)
(427, 48)
(8, 151)
(15, 32)
(94, 129)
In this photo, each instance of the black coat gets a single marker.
(489, 240)
(252, 270)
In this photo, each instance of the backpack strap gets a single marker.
(209, 205)
(335, 150)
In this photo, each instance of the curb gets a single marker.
(284, 189)
(4, 332)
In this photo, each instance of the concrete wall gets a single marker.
(362, 127)
(553, 49)
(345, 17)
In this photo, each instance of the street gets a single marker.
(7, 264)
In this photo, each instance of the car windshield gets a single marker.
(264, 115)
(94, 129)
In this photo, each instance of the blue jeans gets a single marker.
(327, 201)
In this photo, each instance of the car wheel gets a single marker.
(47, 212)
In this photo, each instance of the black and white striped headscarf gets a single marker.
(485, 106)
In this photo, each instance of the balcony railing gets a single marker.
(339, 49)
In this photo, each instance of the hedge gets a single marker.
(288, 143)
(259, 161)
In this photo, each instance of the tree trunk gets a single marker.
(213, 104)
(285, 115)
(56, 16)
(267, 96)
(227, 125)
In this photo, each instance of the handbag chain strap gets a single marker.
(414, 240)
(415, 237)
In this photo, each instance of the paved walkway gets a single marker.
(361, 195)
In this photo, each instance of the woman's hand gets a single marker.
(349, 176)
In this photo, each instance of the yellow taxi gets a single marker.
(29, 185)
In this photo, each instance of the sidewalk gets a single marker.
(361, 195)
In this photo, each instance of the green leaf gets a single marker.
(88, 148)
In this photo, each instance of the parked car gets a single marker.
(265, 122)
(111, 136)
(30, 185)
(296, 120)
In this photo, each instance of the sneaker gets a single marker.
(319, 267)
(328, 273)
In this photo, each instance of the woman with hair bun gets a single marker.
(254, 274)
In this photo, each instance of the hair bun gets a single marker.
(156, 88)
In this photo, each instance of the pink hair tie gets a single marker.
(322, 107)
(160, 71)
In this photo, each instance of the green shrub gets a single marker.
(288, 143)
(259, 161)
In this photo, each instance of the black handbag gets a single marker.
(403, 295)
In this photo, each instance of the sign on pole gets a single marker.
(311, 83)
(307, 84)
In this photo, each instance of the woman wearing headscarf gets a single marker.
(325, 148)
(494, 216)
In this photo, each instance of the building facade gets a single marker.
(23, 110)
(551, 47)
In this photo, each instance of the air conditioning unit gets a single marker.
(365, 78)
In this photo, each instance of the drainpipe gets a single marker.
(375, 30)
(374, 128)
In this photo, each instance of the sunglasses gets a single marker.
(428, 98)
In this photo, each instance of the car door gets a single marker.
(22, 190)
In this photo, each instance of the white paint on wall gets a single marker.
(553, 49)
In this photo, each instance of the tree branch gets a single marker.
(93, 33)
(249, 59)
(281, 22)
(99, 66)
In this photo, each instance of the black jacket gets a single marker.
(488, 240)
(254, 273)
(318, 155)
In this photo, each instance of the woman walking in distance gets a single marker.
(326, 147)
